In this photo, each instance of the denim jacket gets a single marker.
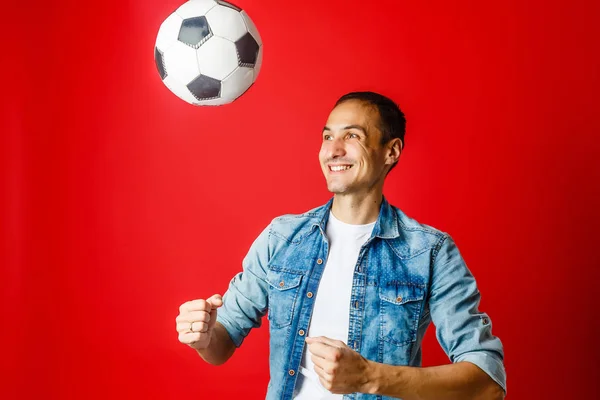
(407, 275)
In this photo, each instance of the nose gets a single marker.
(336, 148)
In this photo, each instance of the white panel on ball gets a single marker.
(179, 89)
(226, 22)
(168, 32)
(180, 61)
(217, 57)
(195, 8)
(251, 28)
(237, 83)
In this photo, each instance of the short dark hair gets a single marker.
(392, 122)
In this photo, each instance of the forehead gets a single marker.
(353, 112)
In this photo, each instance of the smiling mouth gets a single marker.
(339, 168)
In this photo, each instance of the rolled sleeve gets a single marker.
(487, 362)
(464, 332)
(246, 300)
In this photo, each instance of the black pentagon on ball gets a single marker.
(228, 4)
(194, 31)
(160, 64)
(204, 87)
(247, 50)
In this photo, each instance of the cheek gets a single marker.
(368, 162)
(323, 152)
(360, 155)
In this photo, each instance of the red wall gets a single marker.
(119, 201)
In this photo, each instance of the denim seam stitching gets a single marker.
(437, 248)
(362, 308)
(277, 268)
(280, 236)
(406, 258)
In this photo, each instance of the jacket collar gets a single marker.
(386, 226)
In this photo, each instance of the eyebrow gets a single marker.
(348, 127)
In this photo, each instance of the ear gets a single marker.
(394, 150)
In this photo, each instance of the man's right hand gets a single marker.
(196, 321)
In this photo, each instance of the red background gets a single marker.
(120, 201)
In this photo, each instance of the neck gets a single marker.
(357, 209)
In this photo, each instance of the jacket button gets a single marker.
(356, 304)
(320, 261)
(291, 372)
(399, 299)
(301, 332)
(282, 284)
(486, 321)
(309, 295)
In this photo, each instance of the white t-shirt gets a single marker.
(331, 312)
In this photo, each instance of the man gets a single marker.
(350, 287)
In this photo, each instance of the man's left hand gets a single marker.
(340, 369)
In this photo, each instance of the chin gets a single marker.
(337, 189)
(332, 188)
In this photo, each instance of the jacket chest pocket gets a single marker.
(283, 292)
(400, 311)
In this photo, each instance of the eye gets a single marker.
(326, 137)
(352, 135)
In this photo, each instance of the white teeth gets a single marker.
(340, 168)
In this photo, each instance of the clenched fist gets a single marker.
(196, 321)
(340, 369)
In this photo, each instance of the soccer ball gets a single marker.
(208, 52)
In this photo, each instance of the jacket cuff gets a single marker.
(235, 334)
(489, 363)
